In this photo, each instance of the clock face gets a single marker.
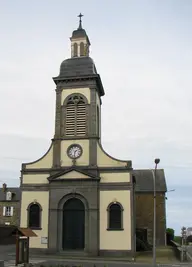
(74, 151)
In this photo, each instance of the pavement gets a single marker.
(7, 253)
(89, 263)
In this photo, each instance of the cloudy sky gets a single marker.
(143, 52)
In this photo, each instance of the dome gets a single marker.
(79, 33)
(77, 66)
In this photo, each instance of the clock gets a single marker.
(74, 151)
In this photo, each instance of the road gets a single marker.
(89, 263)
(7, 253)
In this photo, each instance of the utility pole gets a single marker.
(154, 211)
(183, 243)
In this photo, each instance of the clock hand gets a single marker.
(76, 151)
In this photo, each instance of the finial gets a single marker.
(80, 21)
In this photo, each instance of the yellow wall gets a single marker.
(43, 199)
(115, 240)
(115, 177)
(103, 160)
(84, 91)
(77, 41)
(83, 160)
(44, 162)
(35, 178)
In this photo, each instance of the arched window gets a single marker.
(75, 118)
(34, 215)
(115, 216)
(82, 49)
(75, 50)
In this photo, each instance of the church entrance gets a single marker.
(73, 224)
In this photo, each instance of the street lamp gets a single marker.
(154, 211)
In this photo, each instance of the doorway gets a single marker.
(73, 225)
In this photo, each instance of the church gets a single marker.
(76, 197)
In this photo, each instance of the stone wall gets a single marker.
(13, 220)
(144, 215)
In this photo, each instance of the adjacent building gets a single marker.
(9, 205)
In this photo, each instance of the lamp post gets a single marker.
(154, 211)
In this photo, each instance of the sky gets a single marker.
(142, 50)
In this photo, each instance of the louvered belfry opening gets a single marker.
(75, 121)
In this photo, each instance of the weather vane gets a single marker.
(80, 21)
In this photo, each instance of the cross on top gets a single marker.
(80, 16)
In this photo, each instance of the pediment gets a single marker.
(72, 174)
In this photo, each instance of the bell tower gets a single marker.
(79, 41)
(78, 98)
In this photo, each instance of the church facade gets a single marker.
(77, 198)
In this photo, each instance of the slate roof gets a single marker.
(144, 180)
(15, 190)
(77, 66)
(80, 33)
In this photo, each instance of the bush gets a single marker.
(169, 235)
(170, 231)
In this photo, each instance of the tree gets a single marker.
(170, 231)
(170, 235)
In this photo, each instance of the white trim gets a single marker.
(11, 211)
(4, 211)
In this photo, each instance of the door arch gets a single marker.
(73, 224)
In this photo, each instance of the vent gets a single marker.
(70, 120)
(81, 120)
(75, 122)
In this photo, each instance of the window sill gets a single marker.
(35, 228)
(113, 229)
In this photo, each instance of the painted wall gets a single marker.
(120, 177)
(43, 199)
(35, 178)
(104, 160)
(83, 160)
(84, 91)
(115, 240)
(77, 41)
(45, 162)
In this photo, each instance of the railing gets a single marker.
(183, 254)
(177, 250)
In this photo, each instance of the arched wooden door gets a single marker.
(73, 225)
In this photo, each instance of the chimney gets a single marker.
(4, 187)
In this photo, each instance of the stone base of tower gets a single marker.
(83, 254)
(116, 253)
